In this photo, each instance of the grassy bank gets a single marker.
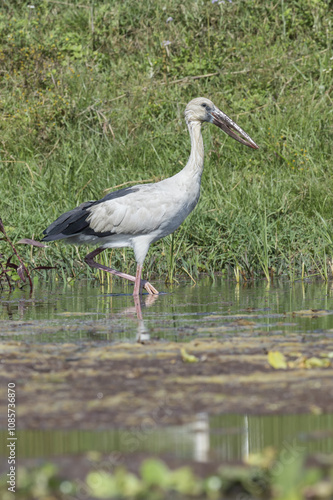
(93, 94)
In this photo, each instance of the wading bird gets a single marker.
(137, 216)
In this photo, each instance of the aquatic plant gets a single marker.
(21, 271)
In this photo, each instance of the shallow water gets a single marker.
(84, 310)
(221, 438)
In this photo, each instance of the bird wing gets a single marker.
(141, 210)
(69, 223)
(74, 223)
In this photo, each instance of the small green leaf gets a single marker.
(183, 481)
(127, 483)
(101, 484)
(155, 472)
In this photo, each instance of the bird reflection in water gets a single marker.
(140, 302)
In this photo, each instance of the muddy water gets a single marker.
(86, 313)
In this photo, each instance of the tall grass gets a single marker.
(93, 99)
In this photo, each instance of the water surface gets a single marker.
(85, 310)
(220, 438)
(39, 328)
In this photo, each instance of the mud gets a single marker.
(95, 385)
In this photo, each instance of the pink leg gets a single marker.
(139, 283)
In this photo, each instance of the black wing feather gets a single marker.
(75, 222)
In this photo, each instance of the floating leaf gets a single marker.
(277, 360)
(317, 362)
(188, 358)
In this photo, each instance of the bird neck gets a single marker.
(196, 160)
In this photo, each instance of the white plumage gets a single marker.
(138, 216)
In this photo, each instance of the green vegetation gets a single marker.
(269, 476)
(92, 98)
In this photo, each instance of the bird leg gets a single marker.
(138, 282)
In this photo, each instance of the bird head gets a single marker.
(204, 110)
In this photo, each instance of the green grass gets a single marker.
(91, 98)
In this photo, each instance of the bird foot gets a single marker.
(150, 289)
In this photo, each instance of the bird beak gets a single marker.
(231, 128)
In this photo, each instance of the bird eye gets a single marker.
(204, 105)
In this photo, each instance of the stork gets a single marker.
(138, 216)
